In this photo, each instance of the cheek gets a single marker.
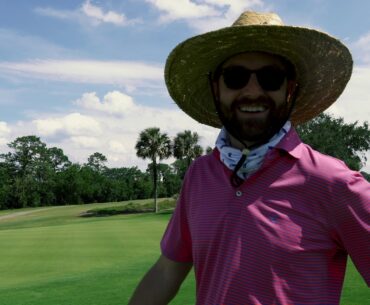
(279, 96)
(226, 95)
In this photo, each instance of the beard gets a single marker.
(257, 129)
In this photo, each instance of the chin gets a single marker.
(258, 130)
(256, 136)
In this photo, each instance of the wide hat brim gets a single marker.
(323, 67)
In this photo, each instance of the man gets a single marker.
(264, 219)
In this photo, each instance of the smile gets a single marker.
(252, 108)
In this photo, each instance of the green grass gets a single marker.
(51, 256)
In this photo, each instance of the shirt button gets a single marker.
(239, 193)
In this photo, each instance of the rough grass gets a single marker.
(53, 256)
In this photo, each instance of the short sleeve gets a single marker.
(176, 243)
(351, 220)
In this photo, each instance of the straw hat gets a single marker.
(323, 64)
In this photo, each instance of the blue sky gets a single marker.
(87, 75)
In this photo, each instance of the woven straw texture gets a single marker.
(323, 64)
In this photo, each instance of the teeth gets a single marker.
(251, 108)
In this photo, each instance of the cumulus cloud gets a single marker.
(4, 132)
(113, 103)
(204, 15)
(116, 146)
(124, 73)
(4, 129)
(85, 142)
(74, 124)
(353, 104)
(109, 124)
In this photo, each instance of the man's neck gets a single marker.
(237, 144)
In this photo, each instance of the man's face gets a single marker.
(256, 107)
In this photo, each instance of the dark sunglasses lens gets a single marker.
(236, 77)
(271, 78)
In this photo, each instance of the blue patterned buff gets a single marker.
(230, 155)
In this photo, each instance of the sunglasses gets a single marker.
(270, 78)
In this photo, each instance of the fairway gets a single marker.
(51, 256)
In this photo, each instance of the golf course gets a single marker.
(54, 256)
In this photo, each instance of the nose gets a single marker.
(252, 88)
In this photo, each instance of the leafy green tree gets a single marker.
(6, 187)
(329, 135)
(27, 151)
(153, 145)
(97, 161)
(169, 183)
(69, 186)
(58, 160)
(180, 167)
(31, 170)
(128, 184)
(186, 147)
(95, 184)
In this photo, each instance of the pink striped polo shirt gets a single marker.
(281, 238)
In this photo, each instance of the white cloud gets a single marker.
(113, 103)
(361, 49)
(204, 15)
(116, 146)
(4, 132)
(4, 129)
(93, 14)
(97, 14)
(59, 14)
(74, 124)
(182, 9)
(110, 125)
(123, 73)
(353, 104)
(85, 142)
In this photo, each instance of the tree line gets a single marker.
(34, 175)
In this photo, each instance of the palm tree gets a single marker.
(185, 146)
(153, 144)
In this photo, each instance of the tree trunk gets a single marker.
(155, 185)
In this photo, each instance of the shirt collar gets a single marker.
(292, 144)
